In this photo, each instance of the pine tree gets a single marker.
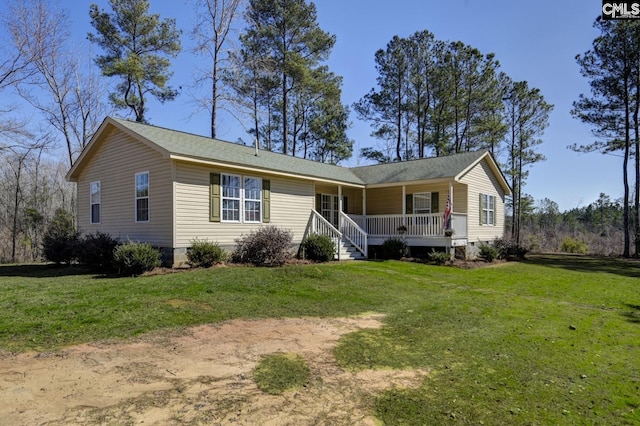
(136, 44)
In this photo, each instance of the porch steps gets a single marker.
(348, 251)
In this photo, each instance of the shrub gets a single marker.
(570, 245)
(439, 257)
(394, 248)
(60, 242)
(509, 250)
(96, 251)
(203, 254)
(488, 253)
(319, 248)
(268, 246)
(135, 258)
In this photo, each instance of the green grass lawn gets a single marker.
(554, 340)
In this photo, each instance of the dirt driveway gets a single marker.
(202, 375)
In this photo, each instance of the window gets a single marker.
(142, 197)
(488, 209)
(231, 198)
(252, 199)
(422, 203)
(94, 201)
(241, 198)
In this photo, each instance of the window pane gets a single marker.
(252, 189)
(95, 213)
(231, 210)
(142, 185)
(422, 202)
(252, 211)
(95, 192)
(484, 217)
(492, 202)
(142, 209)
(491, 217)
(230, 186)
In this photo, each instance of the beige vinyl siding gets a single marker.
(115, 163)
(481, 180)
(388, 200)
(384, 201)
(291, 204)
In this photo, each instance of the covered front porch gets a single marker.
(362, 217)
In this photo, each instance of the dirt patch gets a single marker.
(201, 375)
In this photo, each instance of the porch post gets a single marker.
(364, 209)
(339, 207)
(451, 195)
(404, 204)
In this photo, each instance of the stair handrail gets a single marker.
(319, 225)
(354, 233)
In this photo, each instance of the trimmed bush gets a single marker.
(96, 251)
(488, 253)
(394, 248)
(135, 258)
(60, 242)
(204, 254)
(319, 248)
(268, 246)
(570, 245)
(439, 257)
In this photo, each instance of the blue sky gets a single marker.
(536, 41)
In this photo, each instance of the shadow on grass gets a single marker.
(634, 315)
(580, 263)
(48, 270)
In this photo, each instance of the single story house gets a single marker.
(140, 182)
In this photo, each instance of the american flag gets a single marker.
(446, 216)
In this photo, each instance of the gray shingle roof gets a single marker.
(415, 170)
(180, 144)
(200, 147)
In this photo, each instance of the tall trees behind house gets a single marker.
(433, 97)
(294, 100)
(612, 109)
(527, 116)
(136, 45)
(214, 20)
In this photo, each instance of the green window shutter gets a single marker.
(318, 202)
(345, 204)
(214, 197)
(480, 204)
(266, 201)
(435, 198)
(409, 203)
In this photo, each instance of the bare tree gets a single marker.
(73, 105)
(215, 19)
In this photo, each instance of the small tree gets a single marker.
(61, 239)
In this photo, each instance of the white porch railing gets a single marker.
(354, 233)
(410, 225)
(319, 225)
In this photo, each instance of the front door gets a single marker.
(328, 207)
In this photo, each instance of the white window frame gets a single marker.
(143, 197)
(249, 199)
(488, 209)
(422, 196)
(92, 201)
(244, 199)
